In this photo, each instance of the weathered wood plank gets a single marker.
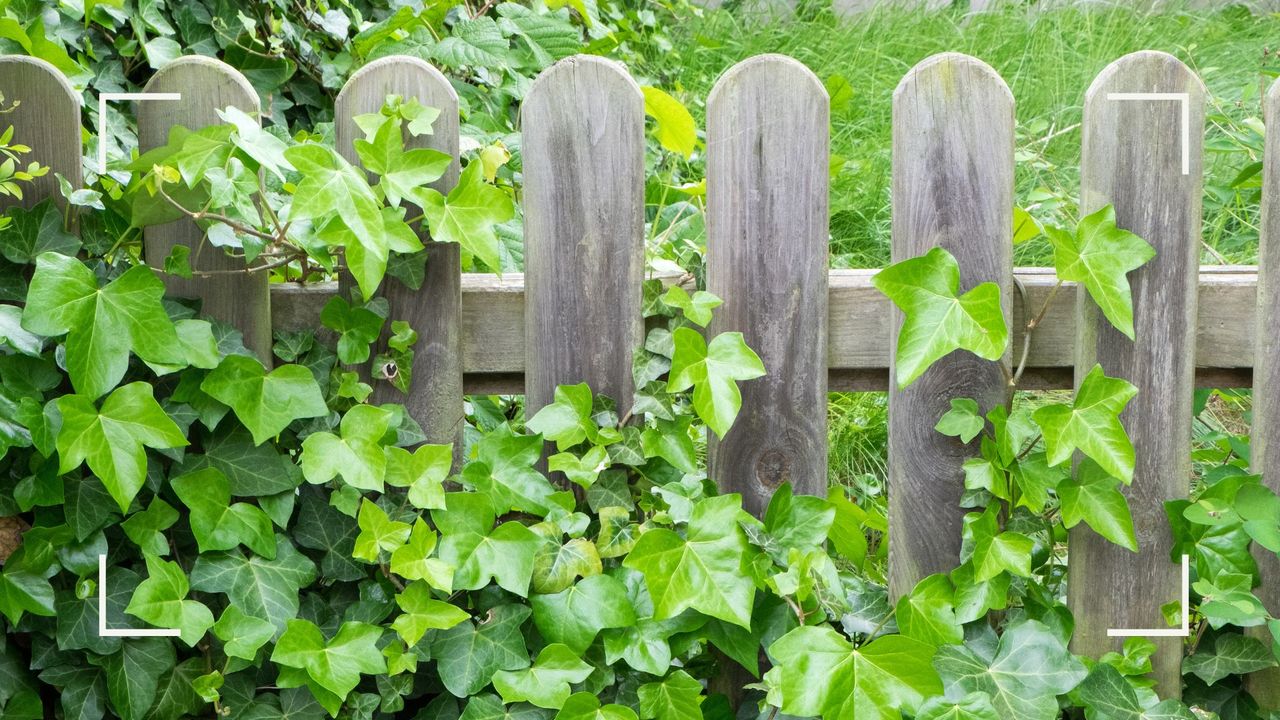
(44, 111)
(239, 299)
(434, 311)
(952, 188)
(1265, 440)
(767, 177)
(1133, 159)
(583, 162)
(857, 328)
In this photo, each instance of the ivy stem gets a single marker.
(1031, 326)
(386, 572)
(875, 630)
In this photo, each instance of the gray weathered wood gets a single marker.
(767, 177)
(45, 115)
(239, 299)
(434, 310)
(952, 188)
(583, 162)
(1132, 159)
(1265, 441)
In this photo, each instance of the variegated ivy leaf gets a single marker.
(1100, 256)
(939, 320)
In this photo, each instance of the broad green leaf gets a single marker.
(356, 327)
(963, 420)
(1228, 598)
(820, 673)
(423, 471)
(1099, 256)
(400, 171)
(467, 215)
(557, 565)
(476, 42)
(585, 706)
(1091, 424)
(584, 470)
(161, 601)
(568, 420)
(134, 673)
(378, 533)
(218, 523)
(24, 592)
(35, 231)
(242, 634)
(266, 589)
(974, 706)
(676, 130)
(993, 551)
(1025, 227)
(251, 470)
(412, 560)
(712, 370)
(468, 654)
(265, 402)
(1259, 508)
(357, 455)
(1107, 695)
(550, 36)
(676, 697)
(928, 614)
(938, 320)
(146, 527)
(422, 612)
(1023, 675)
(575, 615)
(704, 570)
(696, 307)
(505, 471)
(798, 522)
(1092, 496)
(336, 664)
(267, 149)
(478, 551)
(546, 683)
(112, 439)
(1232, 654)
(102, 324)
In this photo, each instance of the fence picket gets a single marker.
(583, 163)
(767, 178)
(1133, 158)
(953, 188)
(239, 299)
(45, 116)
(435, 393)
(1265, 440)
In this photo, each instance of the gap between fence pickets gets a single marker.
(1184, 101)
(104, 631)
(103, 99)
(1185, 631)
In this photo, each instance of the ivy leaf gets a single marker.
(1092, 496)
(1228, 599)
(266, 589)
(928, 614)
(357, 327)
(265, 402)
(412, 560)
(251, 470)
(133, 674)
(676, 130)
(358, 455)
(820, 673)
(963, 420)
(422, 612)
(487, 706)
(217, 523)
(704, 570)
(336, 664)
(267, 149)
(474, 42)
(161, 601)
(938, 321)
(1232, 654)
(468, 654)
(146, 528)
(1259, 508)
(35, 231)
(568, 420)
(974, 706)
(575, 615)
(468, 214)
(401, 171)
(423, 471)
(111, 440)
(1099, 256)
(1107, 695)
(993, 551)
(242, 634)
(22, 591)
(711, 370)
(102, 324)
(1023, 676)
(586, 706)
(546, 683)
(505, 471)
(478, 551)
(1091, 424)
(678, 696)
(378, 533)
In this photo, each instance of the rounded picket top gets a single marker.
(946, 72)
(45, 116)
(582, 77)
(777, 72)
(1145, 71)
(206, 84)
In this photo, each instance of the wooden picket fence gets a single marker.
(575, 314)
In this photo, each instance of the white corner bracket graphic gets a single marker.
(104, 631)
(1184, 103)
(103, 99)
(1184, 631)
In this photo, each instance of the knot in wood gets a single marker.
(773, 468)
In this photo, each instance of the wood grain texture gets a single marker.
(1265, 438)
(1132, 159)
(583, 162)
(767, 177)
(239, 299)
(435, 394)
(952, 188)
(45, 116)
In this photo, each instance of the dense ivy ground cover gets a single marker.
(319, 560)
